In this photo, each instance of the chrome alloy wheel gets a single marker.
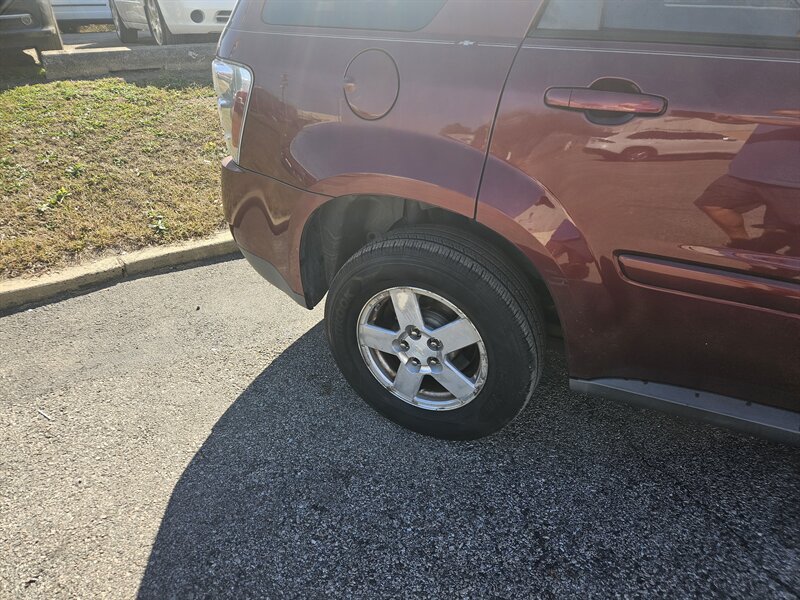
(422, 348)
(156, 26)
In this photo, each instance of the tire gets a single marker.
(125, 34)
(455, 277)
(638, 154)
(158, 27)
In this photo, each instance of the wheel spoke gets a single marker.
(407, 381)
(456, 335)
(454, 381)
(406, 307)
(376, 337)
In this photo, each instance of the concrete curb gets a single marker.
(93, 62)
(18, 292)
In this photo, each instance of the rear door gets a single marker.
(669, 131)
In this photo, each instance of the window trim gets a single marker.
(668, 37)
(659, 36)
(264, 20)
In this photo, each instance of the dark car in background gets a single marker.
(28, 24)
(440, 169)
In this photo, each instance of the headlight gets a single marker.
(232, 83)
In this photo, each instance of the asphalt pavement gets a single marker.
(188, 435)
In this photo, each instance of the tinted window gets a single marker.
(395, 15)
(757, 23)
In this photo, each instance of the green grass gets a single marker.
(98, 167)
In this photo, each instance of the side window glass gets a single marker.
(391, 15)
(745, 23)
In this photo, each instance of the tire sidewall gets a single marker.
(507, 386)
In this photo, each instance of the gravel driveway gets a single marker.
(188, 435)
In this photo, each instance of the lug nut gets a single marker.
(434, 344)
(414, 333)
(403, 345)
(414, 362)
(433, 362)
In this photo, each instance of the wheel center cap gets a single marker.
(419, 348)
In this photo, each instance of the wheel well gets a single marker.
(340, 227)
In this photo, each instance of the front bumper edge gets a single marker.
(272, 275)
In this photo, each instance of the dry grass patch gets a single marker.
(103, 166)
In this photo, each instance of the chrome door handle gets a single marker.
(587, 99)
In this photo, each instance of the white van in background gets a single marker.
(170, 21)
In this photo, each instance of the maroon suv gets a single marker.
(466, 179)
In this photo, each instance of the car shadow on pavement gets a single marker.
(301, 490)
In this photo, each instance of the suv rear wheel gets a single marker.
(436, 331)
